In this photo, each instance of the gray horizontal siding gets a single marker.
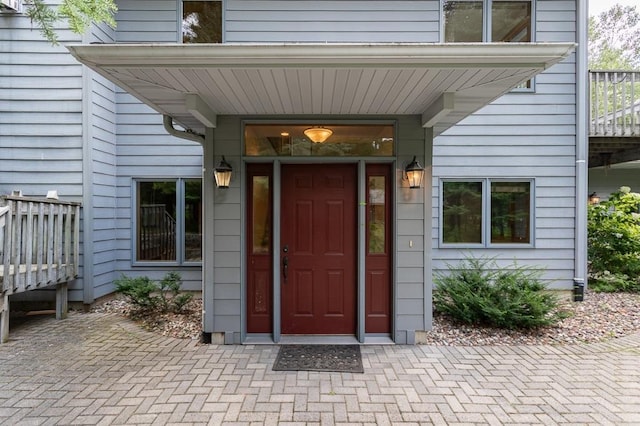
(411, 226)
(41, 132)
(40, 112)
(145, 151)
(281, 21)
(523, 135)
(101, 176)
(147, 21)
(227, 226)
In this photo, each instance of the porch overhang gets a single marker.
(443, 83)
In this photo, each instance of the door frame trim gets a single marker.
(277, 211)
(361, 191)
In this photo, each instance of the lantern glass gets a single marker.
(222, 174)
(415, 174)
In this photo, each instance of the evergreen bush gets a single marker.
(478, 292)
(139, 291)
(147, 295)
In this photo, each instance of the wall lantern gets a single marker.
(222, 173)
(414, 173)
(593, 198)
(318, 134)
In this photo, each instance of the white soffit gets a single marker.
(193, 83)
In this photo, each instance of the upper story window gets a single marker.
(487, 21)
(201, 21)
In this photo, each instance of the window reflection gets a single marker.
(169, 220)
(377, 219)
(508, 218)
(272, 140)
(193, 220)
(201, 21)
(261, 216)
(157, 221)
(511, 21)
(462, 212)
(463, 21)
(510, 212)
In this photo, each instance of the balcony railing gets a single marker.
(615, 103)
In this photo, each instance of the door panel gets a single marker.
(318, 240)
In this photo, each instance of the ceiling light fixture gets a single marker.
(318, 134)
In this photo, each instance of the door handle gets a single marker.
(285, 268)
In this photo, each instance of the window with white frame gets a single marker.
(202, 21)
(168, 221)
(469, 21)
(483, 212)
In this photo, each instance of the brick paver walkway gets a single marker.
(102, 369)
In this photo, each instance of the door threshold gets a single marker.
(317, 339)
(314, 339)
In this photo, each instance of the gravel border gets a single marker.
(600, 317)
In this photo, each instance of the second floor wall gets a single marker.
(351, 21)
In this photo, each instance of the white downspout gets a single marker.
(582, 148)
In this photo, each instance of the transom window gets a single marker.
(168, 221)
(486, 212)
(487, 20)
(201, 21)
(312, 140)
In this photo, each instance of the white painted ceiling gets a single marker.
(311, 80)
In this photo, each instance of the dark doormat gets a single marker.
(338, 358)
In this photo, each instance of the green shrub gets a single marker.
(171, 300)
(614, 242)
(478, 292)
(607, 282)
(146, 294)
(180, 301)
(139, 291)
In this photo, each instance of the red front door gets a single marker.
(318, 249)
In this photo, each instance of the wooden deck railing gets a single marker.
(39, 247)
(615, 103)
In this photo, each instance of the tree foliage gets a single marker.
(614, 242)
(614, 39)
(78, 13)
